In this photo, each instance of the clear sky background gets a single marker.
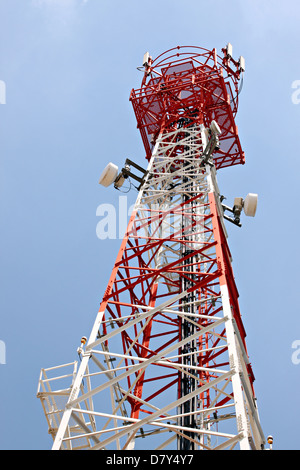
(69, 67)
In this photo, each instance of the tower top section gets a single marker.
(190, 85)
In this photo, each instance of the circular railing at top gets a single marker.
(199, 56)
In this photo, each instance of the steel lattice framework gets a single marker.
(166, 364)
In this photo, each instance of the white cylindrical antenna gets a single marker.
(214, 127)
(242, 63)
(250, 204)
(109, 175)
(229, 50)
(146, 59)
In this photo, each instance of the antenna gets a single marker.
(111, 174)
(249, 205)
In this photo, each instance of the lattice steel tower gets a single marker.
(166, 364)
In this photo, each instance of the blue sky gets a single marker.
(69, 66)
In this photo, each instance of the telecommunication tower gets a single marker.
(166, 364)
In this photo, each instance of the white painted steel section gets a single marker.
(241, 415)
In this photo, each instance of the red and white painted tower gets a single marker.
(166, 364)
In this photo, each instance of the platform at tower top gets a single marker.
(190, 85)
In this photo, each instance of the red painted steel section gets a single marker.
(193, 83)
(134, 282)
